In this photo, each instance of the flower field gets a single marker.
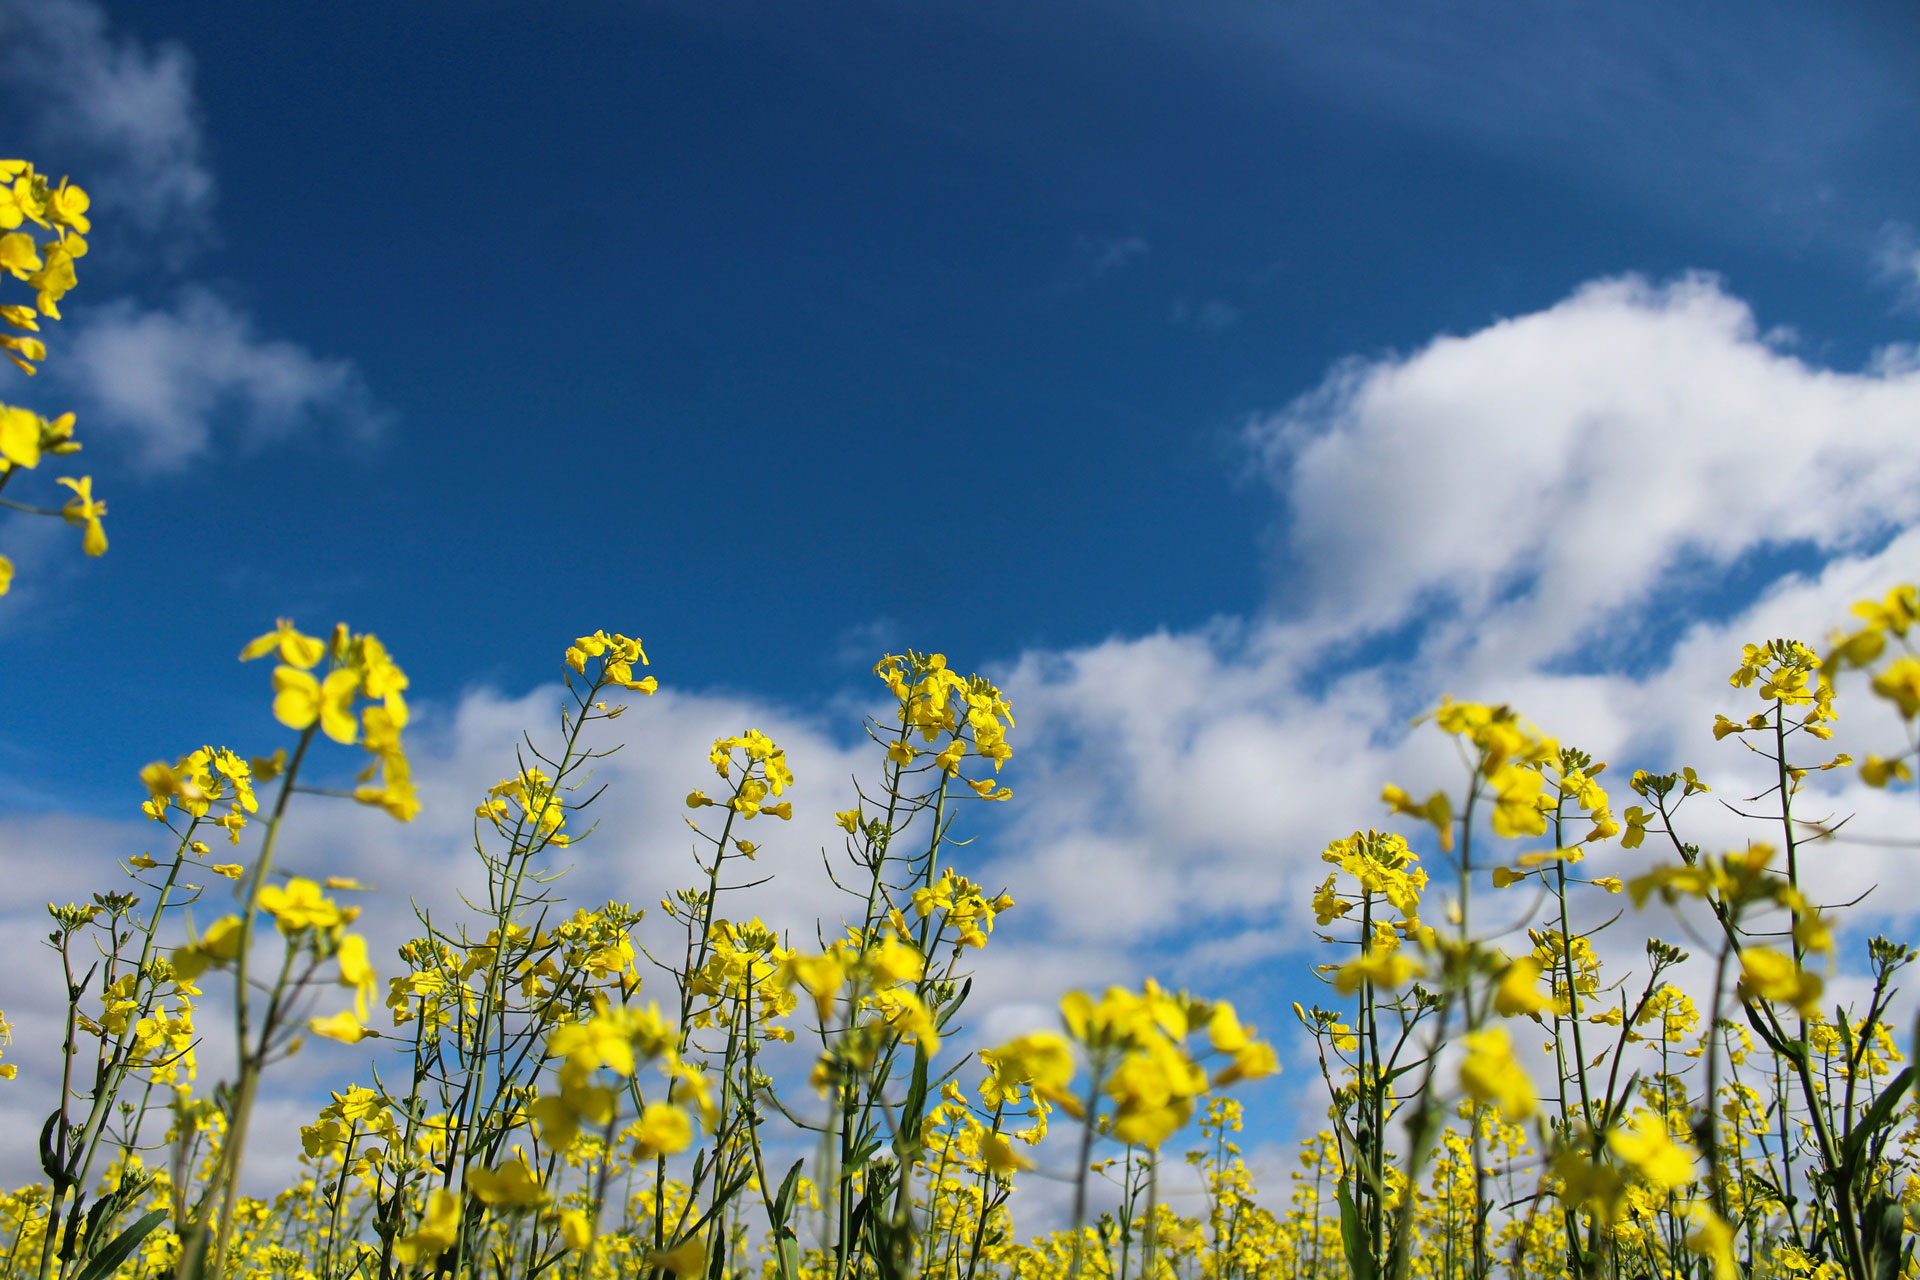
(547, 1095)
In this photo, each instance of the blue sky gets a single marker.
(1149, 355)
(684, 279)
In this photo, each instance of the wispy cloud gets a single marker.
(163, 379)
(1096, 256)
(1768, 121)
(116, 114)
(122, 119)
(1897, 258)
(1214, 315)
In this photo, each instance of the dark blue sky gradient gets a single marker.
(778, 334)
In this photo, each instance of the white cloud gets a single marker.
(164, 378)
(1493, 505)
(1551, 473)
(119, 116)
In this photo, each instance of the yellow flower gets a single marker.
(1588, 1184)
(67, 205)
(575, 1229)
(342, 1026)
(1000, 1156)
(396, 794)
(17, 255)
(1519, 990)
(438, 1230)
(1712, 1238)
(299, 700)
(296, 649)
(356, 971)
(219, 945)
(1517, 796)
(231, 870)
(688, 1260)
(608, 1039)
(20, 436)
(1384, 969)
(949, 759)
(1224, 1030)
(1900, 685)
(1649, 1150)
(892, 960)
(1255, 1060)
(820, 976)
(1436, 810)
(1766, 974)
(907, 1016)
(54, 280)
(1879, 771)
(1329, 906)
(1490, 1073)
(23, 351)
(82, 511)
(300, 905)
(511, 1185)
(1044, 1060)
(663, 1129)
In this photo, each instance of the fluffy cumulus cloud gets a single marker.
(121, 118)
(1479, 518)
(120, 115)
(1550, 473)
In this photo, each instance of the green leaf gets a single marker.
(783, 1198)
(1877, 1117)
(789, 1253)
(50, 1163)
(1883, 1228)
(1353, 1236)
(121, 1247)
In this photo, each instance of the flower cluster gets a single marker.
(937, 703)
(359, 668)
(1138, 1056)
(60, 209)
(1699, 1111)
